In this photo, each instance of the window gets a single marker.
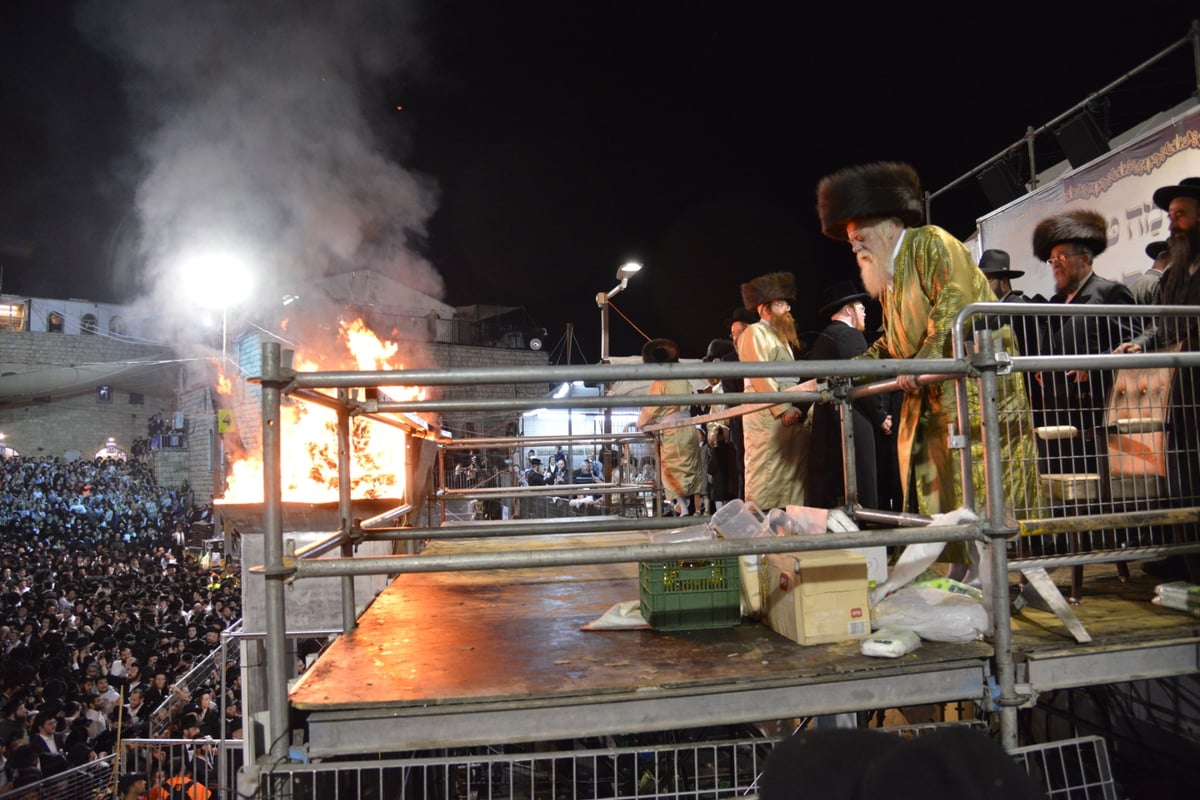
(116, 326)
(137, 399)
(87, 324)
(54, 322)
(103, 394)
(12, 316)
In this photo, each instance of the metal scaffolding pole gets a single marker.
(273, 568)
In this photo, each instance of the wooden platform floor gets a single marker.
(455, 654)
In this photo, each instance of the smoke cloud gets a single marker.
(265, 137)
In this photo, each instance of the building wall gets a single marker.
(78, 423)
(484, 423)
(65, 425)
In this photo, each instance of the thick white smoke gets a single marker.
(259, 138)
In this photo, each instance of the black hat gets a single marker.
(995, 264)
(718, 349)
(768, 288)
(742, 315)
(850, 763)
(1083, 227)
(827, 762)
(535, 461)
(660, 351)
(1188, 187)
(838, 295)
(1155, 249)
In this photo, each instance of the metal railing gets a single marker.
(1006, 525)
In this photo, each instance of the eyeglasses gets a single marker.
(781, 305)
(1061, 258)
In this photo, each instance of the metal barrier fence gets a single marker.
(210, 672)
(1040, 513)
(1118, 445)
(491, 475)
(212, 763)
(625, 769)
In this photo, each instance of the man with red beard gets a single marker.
(775, 438)
(922, 277)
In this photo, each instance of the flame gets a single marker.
(308, 434)
(224, 384)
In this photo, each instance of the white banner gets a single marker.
(1120, 186)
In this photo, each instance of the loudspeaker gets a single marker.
(1000, 185)
(1081, 139)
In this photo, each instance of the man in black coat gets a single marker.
(996, 265)
(1069, 243)
(49, 744)
(843, 338)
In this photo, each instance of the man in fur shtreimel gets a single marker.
(922, 277)
(775, 438)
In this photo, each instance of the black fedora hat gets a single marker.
(1188, 187)
(995, 264)
(1154, 249)
(839, 294)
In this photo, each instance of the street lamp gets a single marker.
(217, 280)
(627, 271)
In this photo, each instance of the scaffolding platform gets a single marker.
(457, 659)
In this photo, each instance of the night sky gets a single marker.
(549, 142)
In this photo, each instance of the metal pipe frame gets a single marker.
(274, 570)
(280, 568)
(620, 554)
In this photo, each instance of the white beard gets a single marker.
(876, 276)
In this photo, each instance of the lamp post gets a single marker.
(217, 280)
(624, 273)
(627, 271)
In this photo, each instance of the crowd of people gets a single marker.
(102, 613)
(922, 277)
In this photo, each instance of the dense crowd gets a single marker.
(102, 611)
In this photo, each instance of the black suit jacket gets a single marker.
(825, 484)
(51, 763)
(1083, 335)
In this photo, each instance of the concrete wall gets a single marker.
(482, 422)
(62, 425)
(59, 424)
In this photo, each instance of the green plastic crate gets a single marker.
(682, 596)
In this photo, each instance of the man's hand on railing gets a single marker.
(1128, 347)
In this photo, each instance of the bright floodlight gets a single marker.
(216, 280)
(628, 270)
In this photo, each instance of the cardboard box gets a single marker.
(818, 597)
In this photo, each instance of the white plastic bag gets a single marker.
(934, 614)
(917, 558)
(890, 643)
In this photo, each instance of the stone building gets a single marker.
(77, 376)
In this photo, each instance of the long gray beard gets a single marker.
(876, 278)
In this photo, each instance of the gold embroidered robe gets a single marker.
(934, 278)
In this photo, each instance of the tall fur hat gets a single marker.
(870, 191)
(1083, 227)
(660, 351)
(768, 288)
